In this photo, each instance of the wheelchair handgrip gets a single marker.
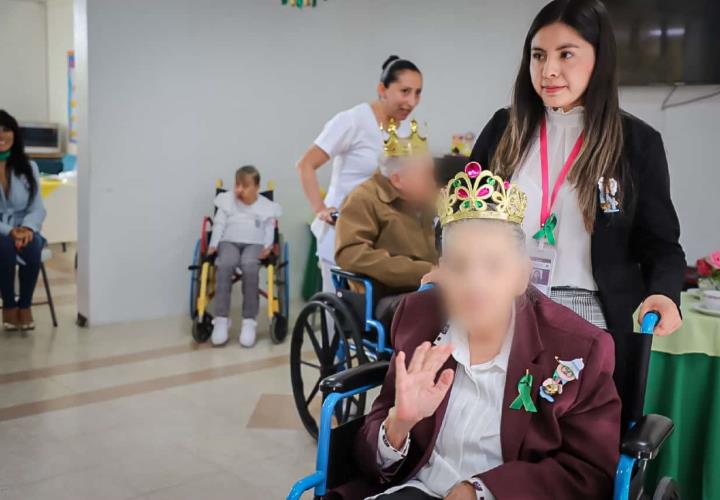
(649, 322)
(370, 374)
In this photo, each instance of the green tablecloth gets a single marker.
(700, 332)
(684, 384)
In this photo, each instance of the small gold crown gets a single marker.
(396, 146)
(479, 194)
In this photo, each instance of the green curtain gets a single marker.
(685, 389)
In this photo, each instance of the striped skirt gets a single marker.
(585, 303)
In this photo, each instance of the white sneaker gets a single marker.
(220, 331)
(247, 332)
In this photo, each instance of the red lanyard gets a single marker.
(546, 208)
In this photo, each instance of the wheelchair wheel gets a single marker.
(329, 353)
(202, 329)
(667, 489)
(282, 277)
(278, 328)
(279, 321)
(194, 269)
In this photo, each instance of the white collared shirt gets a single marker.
(469, 439)
(354, 142)
(240, 223)
(573, 266)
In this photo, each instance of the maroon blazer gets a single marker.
(567, 450)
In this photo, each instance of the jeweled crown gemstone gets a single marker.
(475, 193)
(473, 169)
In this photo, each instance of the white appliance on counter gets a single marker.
(41, 138)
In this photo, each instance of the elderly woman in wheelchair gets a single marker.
(242, 236)
(494, 390)
(500, 347)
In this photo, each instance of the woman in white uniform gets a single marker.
(353, 140)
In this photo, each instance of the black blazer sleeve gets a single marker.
(656, 231)
(486, 143)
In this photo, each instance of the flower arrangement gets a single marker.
(709, 271)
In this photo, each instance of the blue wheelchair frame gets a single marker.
(318, 479)
(341, 280)
(626, 464)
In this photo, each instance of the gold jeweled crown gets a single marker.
(396, 146)
(479, 194)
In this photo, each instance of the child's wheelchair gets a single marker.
(202, 281)
(343, 333)
(641, 442)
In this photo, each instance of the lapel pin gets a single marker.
(566, 371)
(608, 195)
(524, 398)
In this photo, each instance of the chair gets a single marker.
(45, 255)
(641, 442)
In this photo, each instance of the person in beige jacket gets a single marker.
(385, 229)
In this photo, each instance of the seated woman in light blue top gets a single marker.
(21, 215)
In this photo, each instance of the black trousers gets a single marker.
(409, 493)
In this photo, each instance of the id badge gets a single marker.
(258, 222)
(543, 264)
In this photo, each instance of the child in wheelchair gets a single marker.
(495, 391)
(243, 231)
(385, 230)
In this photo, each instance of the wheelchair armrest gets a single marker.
(645, 438)
(349, 275)
(371, 374)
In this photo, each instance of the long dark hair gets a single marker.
(18, 162)
(602, 147)
(393, 66)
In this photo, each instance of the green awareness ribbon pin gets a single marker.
(547, 230)
(524, 400)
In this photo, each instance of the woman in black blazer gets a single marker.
(596, 177)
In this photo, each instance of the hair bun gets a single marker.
(389, 61)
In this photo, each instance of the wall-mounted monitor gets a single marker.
(667, 41)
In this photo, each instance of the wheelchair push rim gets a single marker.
(328, 354)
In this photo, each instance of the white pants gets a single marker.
(327, 282)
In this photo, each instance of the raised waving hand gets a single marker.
(417, 393)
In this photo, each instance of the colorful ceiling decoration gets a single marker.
(300, 3)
